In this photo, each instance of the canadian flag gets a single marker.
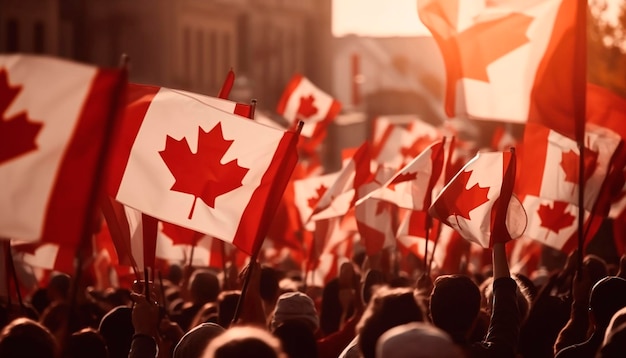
(555, 223)
(303, 101)
(375, 218)
(478, 202)
(308, 192)
(412, 186)
(398, 139)
(191, 164)
(340, 197)
(56, 117)
(550, 163)
(510, 60)
(203, 251)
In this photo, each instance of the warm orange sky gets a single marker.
(389, 17)
(376, 18)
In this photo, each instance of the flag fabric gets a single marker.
(188, 163)
(375, 218)
(340, 197)
(550, 163)
(412, 186)
(500, 64)
(398, 139)
(308, 192)
(137, 91)
(303, 101)
(56, 116)
(607, 109)
(479, 202)
(555, 223)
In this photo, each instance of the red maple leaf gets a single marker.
(468, 53)
(201, 174)
(569, 163)
(401, 178)
(555, 218)
(17, 132)
(312, 201)
(306, 108)
(459, 201)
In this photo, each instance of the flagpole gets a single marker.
(258, 243)
(580, 106)
(9, 256)
(6, 274)
(432, 257)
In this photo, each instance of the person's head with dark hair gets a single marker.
(25, 338)
(388, 307)
(269, 288)
(245, 341)
(227, 303)
(371, 281)
(330, 310)
(297, 339)
(454, 305)
(596, 266)
(175, 274)
(207, 313)
(54, 318)
(39, 300)
(607, 297)
(194, 343)
(116, 327)
(87, 343)
(59, 287)
(204, 286)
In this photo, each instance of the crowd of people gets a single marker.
(366, 312)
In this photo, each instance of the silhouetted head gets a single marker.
(87, 343)
(297, 339)
(194, 343)
(389, 307)
(116, 327)
(244, 341)
(454, 305)
(204, 287)
(23, 338)
(607, 297)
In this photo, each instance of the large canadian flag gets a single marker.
(191, 164)
(303, 101)
(479, 202)
(56, 119)
(512, 60)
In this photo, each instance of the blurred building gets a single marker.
(187, 44)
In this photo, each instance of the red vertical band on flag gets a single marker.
(291, 86)
(80, 159)
(248, 238)
(139, 100)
